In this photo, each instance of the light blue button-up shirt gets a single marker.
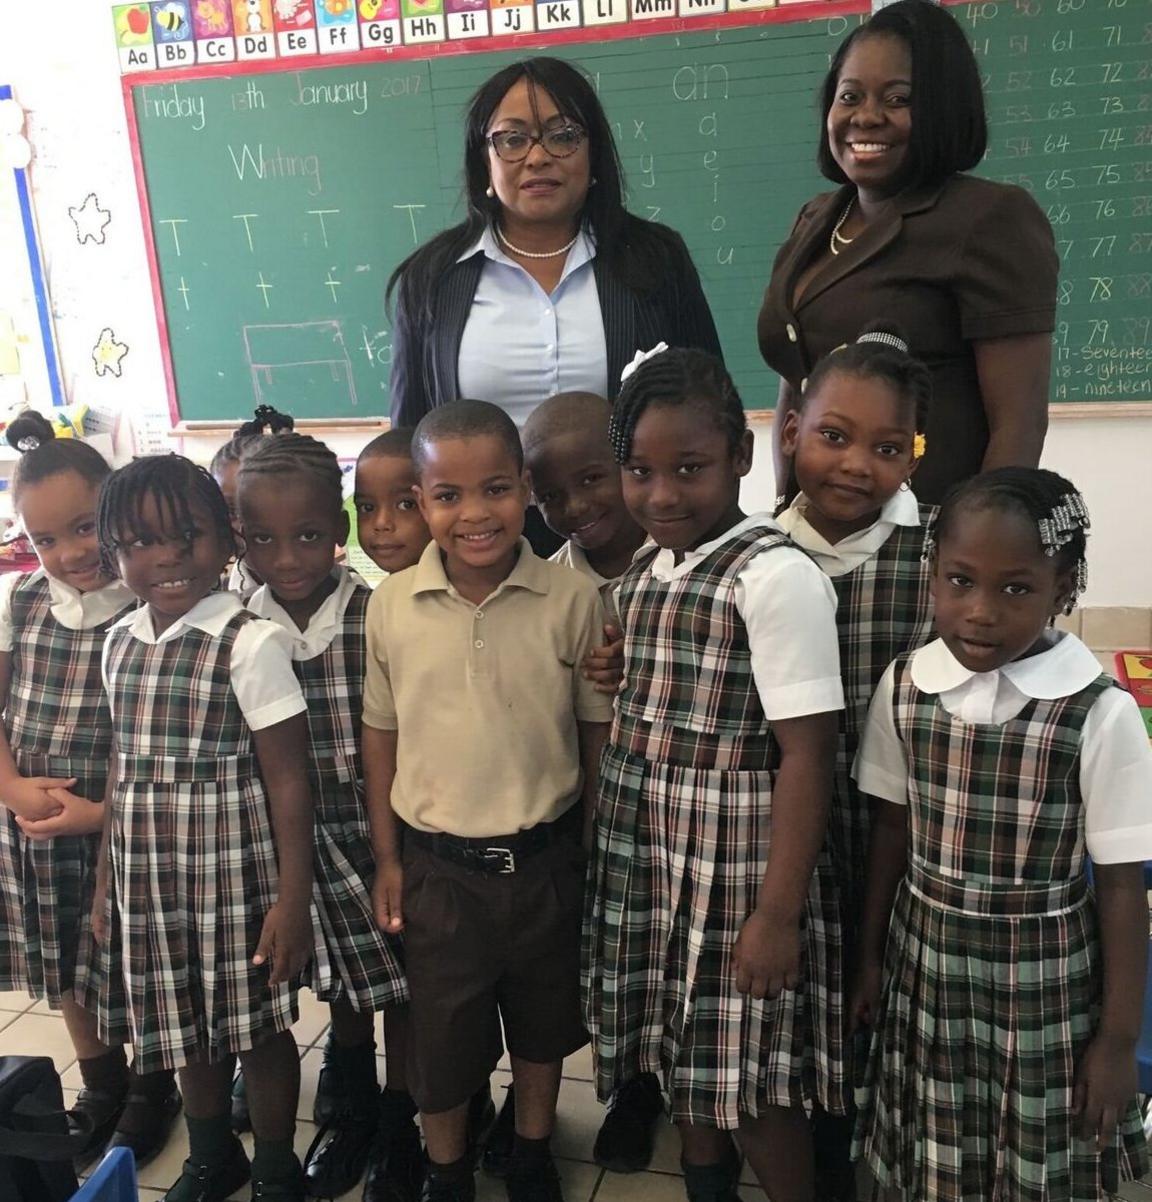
(521, 344)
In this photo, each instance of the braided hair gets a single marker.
(879, 353)
(265, 420)
(294, 455)
(43, 455)
(176, 484)
(1044, 498)
(680, 376)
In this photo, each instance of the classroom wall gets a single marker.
(66, 75)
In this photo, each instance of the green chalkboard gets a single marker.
(279, 202)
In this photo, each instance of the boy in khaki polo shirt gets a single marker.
(481, 739)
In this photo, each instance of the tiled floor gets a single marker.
(29, 1028)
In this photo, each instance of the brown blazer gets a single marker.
(950, 264)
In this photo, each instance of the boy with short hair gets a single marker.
(576, 483)
(389, 526)
(481, 739)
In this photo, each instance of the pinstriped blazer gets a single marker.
(425, 354)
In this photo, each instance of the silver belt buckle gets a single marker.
(506, 854)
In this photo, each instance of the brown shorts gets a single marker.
(481, 950)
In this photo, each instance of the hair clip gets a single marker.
(642, 357)
(884, 339)
(1068, 517)
(28, 443)
(919, 446)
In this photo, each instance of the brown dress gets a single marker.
(951, 264)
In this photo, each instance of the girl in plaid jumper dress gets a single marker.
(55, 744)
(854, 439)
(290, 501)
(1006, 1006)
(712, 909)
(207, 856)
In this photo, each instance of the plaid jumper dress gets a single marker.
(681, 841)
(191, 855)
(884, 608)
(58, 725)
(992, 970)
(353, 958)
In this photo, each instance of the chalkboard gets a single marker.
(278, 202)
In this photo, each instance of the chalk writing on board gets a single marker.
(291, 360)
(320, 215)
(276, 166)
(247, 218)
(353, 94)
(250, 100)
(171, 104)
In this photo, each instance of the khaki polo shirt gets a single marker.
(485, 698)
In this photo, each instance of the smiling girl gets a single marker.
(55, 744)
(712, 921)
(207, 856)
(1007, 1003)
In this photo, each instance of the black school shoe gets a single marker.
(626, 1138)
(97, 1112)
(438, 1190)
(340, 1153)
(147, 1119)
(211, 1183)
(331, 1088)
(396, 1172)
(498, 1150)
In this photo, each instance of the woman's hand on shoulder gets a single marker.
(1105, 1084)
(29, 797)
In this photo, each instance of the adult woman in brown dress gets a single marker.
(967, 267)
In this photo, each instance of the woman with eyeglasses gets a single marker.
(549, 285)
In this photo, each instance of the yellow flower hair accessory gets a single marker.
(919, 446)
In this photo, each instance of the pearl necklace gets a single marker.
(533, 254)
(837, 236)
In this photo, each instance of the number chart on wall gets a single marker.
(279, 195)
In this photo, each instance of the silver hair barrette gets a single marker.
(885, 339)
(28, 443)
(1067, 519)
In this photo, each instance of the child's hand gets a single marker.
(1105, 1084)
(98, 917)
(605, 665)
(285, 942)
(767, 956)
(387, 891)
(28, 797)
(74, 815)
(864, 1001)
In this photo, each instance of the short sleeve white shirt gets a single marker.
(265, 685)
(1115, 758)
(788, 607)
(70, 607)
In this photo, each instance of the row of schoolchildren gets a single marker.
(736, 931)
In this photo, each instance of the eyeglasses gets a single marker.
(515, 145)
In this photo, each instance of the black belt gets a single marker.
(499, 855)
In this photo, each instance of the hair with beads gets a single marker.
(293, 455)
(680, 376)
(879, 353)
(395, 443)
(265, 420)
(949, 126)
(43, 455)
(177, 485)
(1042, 497)
(466, 419)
